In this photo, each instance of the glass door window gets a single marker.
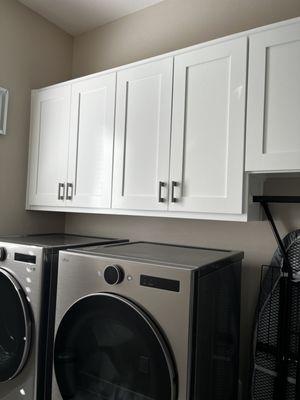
(108, 349)
(15, 327)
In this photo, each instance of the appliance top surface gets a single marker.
(56, 240)
(163, 253)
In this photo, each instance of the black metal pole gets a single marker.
(283, 339)
(298, 352)
(286, 264)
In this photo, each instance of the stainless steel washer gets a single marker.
(147, 321)
(28, 273)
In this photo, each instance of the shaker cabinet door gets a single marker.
(91, 143)
(207, 156)
(50, 115)
(273, 126)
(142, 136)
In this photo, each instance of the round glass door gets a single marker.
(15, 327)
(107, 348)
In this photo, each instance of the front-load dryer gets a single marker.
(28, 272)
(147, 321)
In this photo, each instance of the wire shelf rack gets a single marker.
(276, 369)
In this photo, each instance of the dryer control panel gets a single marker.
(160, 283)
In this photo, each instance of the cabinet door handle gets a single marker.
(173, 198)
(69, 191)
(61, 191)
(160, 186)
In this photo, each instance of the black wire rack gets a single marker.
(277, 345)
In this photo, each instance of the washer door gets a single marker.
(107, 348)
(15, 327)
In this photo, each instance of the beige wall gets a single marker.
(167, 26)
(33, 53)
(170, 25)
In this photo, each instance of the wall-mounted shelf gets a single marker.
(276, 199)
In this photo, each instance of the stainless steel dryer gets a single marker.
(28, 272)
(147, 321)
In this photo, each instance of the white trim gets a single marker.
(167, 214)
(29, 155)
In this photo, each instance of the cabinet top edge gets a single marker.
(243, 34)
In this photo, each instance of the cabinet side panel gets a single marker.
(217, 333)
(273, 118)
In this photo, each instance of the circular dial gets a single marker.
(3, 254)
(113, 274)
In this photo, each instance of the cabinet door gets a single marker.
(91, 142)
(142, 137)
(208, 129)
(50, 115)
(273, 126)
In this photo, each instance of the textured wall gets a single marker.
(33, 53)
(167, 26)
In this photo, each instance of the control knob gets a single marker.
(113, 274)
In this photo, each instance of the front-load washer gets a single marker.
(147, 321)
(28, 272)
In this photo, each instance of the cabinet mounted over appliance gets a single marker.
(169, 136)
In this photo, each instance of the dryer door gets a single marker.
(108, 348)
(15, 327)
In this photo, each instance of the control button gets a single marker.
(113, 274)
(3, 254)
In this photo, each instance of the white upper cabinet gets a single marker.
(71, 144)
(208, 129)
(273, 126)
(142, 136)
(166, 136)
(48, 155)
(91, 142)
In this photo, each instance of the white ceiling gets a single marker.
(78, 16)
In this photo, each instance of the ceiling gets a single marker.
(78, 16)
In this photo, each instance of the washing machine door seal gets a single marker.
(15, 327)
(108, 347)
